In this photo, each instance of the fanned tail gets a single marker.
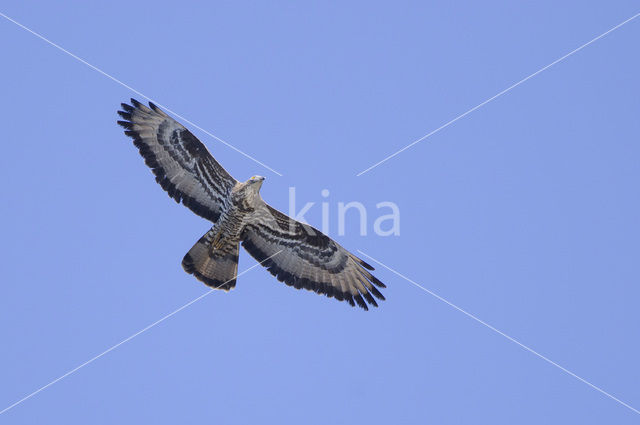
(217, 267)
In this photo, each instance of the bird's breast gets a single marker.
(231, 221)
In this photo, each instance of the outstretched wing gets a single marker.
(181, 163)
(303, 257)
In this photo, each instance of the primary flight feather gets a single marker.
(295, 253)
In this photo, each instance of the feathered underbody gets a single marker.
(295, 253)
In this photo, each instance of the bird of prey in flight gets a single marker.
(295, 253)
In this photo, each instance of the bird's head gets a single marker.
(255, 182)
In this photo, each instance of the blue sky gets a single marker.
(523, 213)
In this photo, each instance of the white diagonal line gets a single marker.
(91, 360)
(498, 95)
(137, 92)
(532, 351)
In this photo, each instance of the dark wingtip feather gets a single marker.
(362, 262)
(377, 293)
(153, 106)
(369, 299)
(360, 302)
(135, 103)
(366, 265)
(125, 124)
(376, 281)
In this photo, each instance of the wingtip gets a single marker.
(376, 293)
(369, 298)
(349, 298)
(363, 263)
(125, 124)
(366, 265)
(360, 301)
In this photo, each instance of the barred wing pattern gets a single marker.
(308, 259)
(181, 163)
